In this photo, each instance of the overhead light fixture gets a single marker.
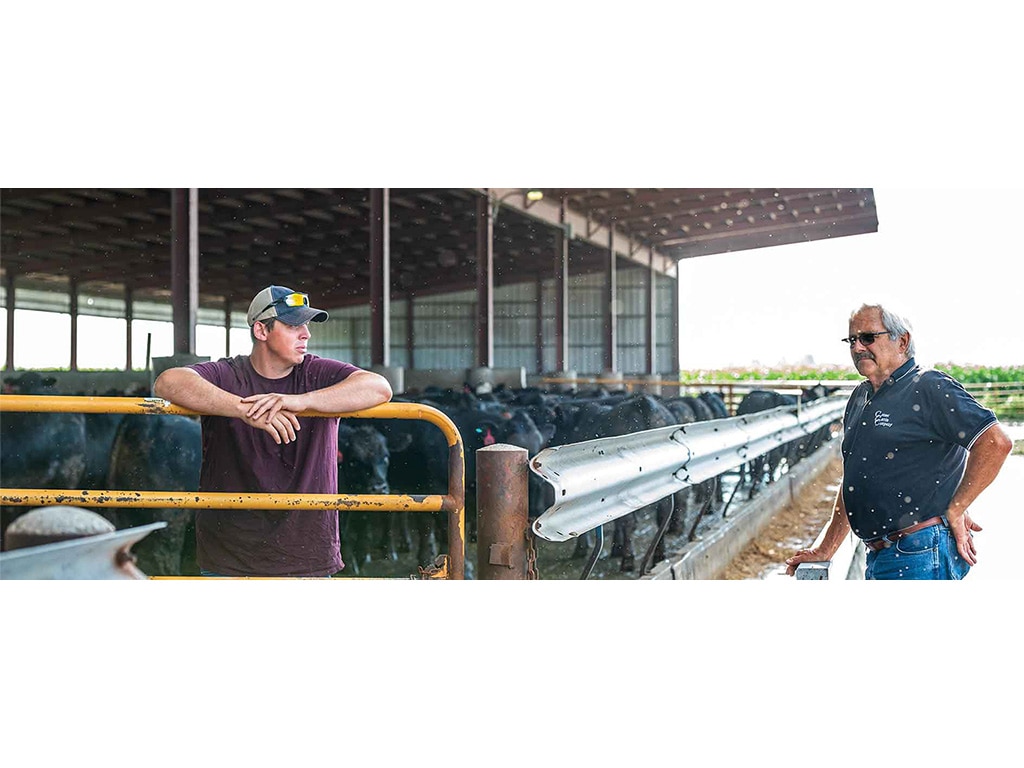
(530, 196)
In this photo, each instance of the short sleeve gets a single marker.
(213, 372)
(954, 415)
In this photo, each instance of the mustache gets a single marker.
(863, 356)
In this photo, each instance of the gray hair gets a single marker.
(895, 324)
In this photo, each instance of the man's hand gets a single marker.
(271, 403)
(273, 413)
(805, 556)
(961, 526)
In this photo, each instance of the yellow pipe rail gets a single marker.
(155, 405)
(453, 503)
(145, 499)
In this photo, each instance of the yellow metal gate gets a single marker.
(453, 503)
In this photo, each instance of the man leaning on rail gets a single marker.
(255, 441)
(917, 452)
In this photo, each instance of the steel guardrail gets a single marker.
(453, 503)
(598, 481)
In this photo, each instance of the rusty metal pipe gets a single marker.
(26, 497)
(456, 512)
(502, 512)
(156, 405)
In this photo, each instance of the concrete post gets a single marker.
(481, 379)
(651, 385)
(569, 383)
(612, 380)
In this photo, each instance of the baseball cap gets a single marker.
(284, 304)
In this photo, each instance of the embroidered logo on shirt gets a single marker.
(882, 419)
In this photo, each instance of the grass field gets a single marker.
(1000, 388)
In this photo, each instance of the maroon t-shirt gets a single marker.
(237, 457)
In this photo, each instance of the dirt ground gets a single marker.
(795, 527)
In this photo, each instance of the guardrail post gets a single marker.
(502, 512)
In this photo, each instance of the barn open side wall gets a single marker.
(443, 328)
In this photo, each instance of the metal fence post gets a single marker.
(502, 510)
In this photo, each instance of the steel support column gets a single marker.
(129, 313)
(9, 300)
(484, 283)
(652, 315)
(674, 321)
(561, 293)
(611, 312)
(410, 333)
(73, 311)
(184, 268)
(380, 277)
(539, 335)
(227, 326)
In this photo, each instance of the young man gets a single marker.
(917, 451)
(255, 442)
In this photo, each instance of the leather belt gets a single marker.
(891, 538)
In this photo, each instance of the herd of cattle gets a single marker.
(386, 456)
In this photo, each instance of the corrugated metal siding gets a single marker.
(444, 328)
(665, 304)
(445, 325)
(341, 338)
(43, 301)
(548, 329)
(586, 339)
(631, 294)
(515, 326)
(399, 333)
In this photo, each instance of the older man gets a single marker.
(917, 451)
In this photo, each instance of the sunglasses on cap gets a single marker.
(291, 300)
(867, 339)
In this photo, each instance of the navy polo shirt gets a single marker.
(905, 448)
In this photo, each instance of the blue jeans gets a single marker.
(927, 554)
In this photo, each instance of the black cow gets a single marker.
(765, 467)
(521, 430)
(636, 414)
(39, 450)
(715, 402)
(158, 453)
(708, 406)
(689, 410)
(420, 468)
(812, 442)
(482, 423)
(364, 457)
(762, 468)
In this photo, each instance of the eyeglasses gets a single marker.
(867, 339)
(291, 300)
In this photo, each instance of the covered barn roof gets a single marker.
(320, 238)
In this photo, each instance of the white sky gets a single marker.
(948, 259)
